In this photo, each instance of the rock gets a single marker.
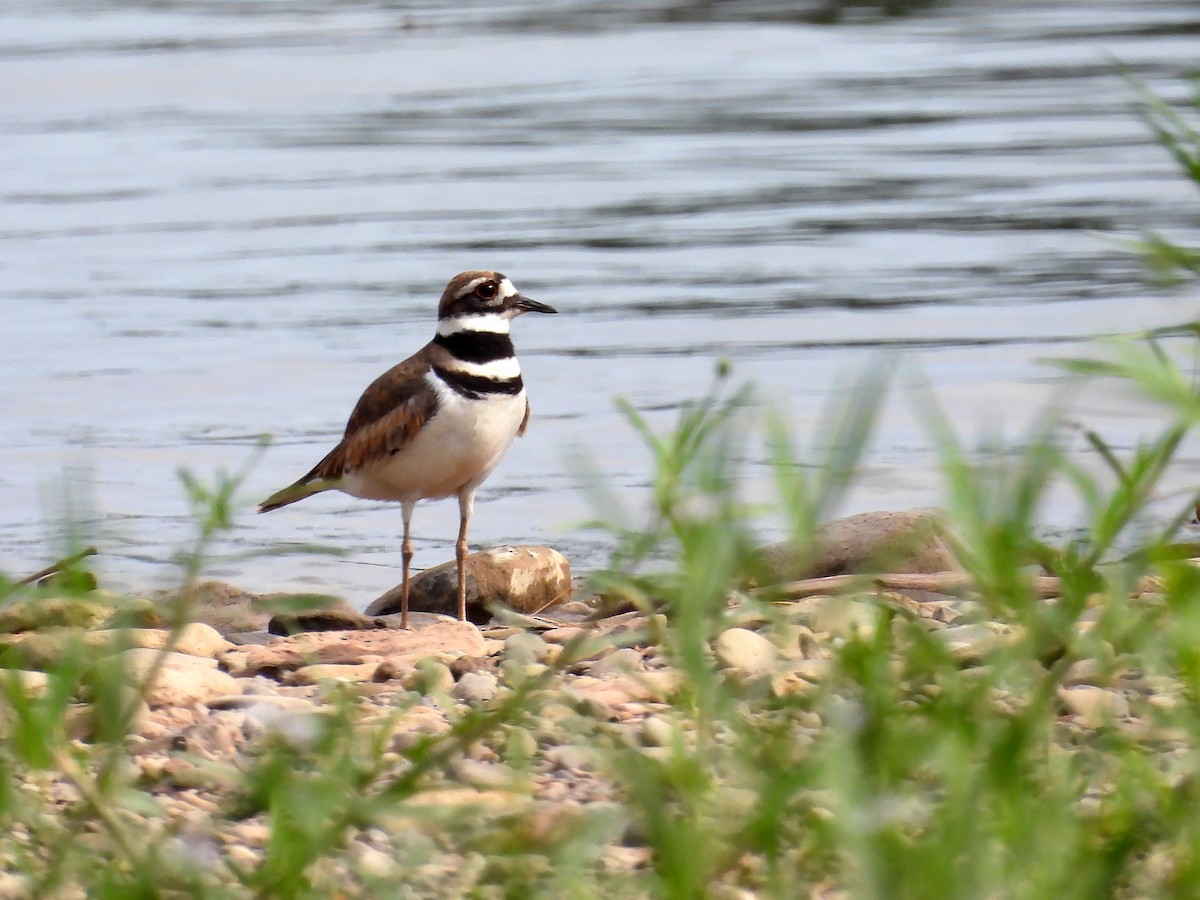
(182, 680)
(226, 607)
(657, 732)
(137, 612)
(246, 701)
(1094, 705)
(526, 579)
(870, 542)
(799, 679)
(428, 677)
(834, 615)
(525, 648)
(740, 648)
(39, 649)
(39, 612)
(333, 614)
(475, 687)
(443, 638)
(315, 674)
(31, 683)
(619, 662)
(563, 634)
(969, 643)
(195, 639)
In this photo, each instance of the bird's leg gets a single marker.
(466, 503)
(406, 555)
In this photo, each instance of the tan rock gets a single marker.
(315, 674)
(834, 615)
(182, 680)
(194, 639)
(443, 637)
(740, 648)
(226, 607)
(1094, 705)
(527, 579)
(870, 542)
(31, 684)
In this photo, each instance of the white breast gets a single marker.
(455, 451)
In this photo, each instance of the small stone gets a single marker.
(739, 648)
(30, 683)
(563, 634)
(315, 674)
(248, 702)
(657, 732)
(194, 639)
(834, 615)
(244, 856)
(1094, 705)
(619, 662)
(475, 687)
(800, 679)
(969, 643)
(182, 680)
(524, 648)
(570, 758)
(483, 775)
(428, 677)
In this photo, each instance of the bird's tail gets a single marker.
(294, 492)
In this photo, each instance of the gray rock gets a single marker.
(527, 579)
(525, 648)
(619, 662)
(475, 687)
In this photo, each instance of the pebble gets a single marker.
(318, 672)
(524, 647)
(429, 676)
(182, 679)
(475, 687)
(619, 662)
(749, 651)
(657, 732)
(1094, 705)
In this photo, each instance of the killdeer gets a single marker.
(437, 424)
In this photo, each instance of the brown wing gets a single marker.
(524, 421)
(387, 416)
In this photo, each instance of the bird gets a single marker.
(437, 424)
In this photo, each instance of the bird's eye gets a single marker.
(487, 291)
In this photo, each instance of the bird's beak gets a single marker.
(524, 304)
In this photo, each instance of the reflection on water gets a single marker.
(223, 219)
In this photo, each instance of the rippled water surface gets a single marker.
(222, 219)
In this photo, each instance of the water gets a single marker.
(223, 219)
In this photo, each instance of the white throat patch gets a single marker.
(495, 323)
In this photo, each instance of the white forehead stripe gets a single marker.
(496, 323)
(507, 290)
